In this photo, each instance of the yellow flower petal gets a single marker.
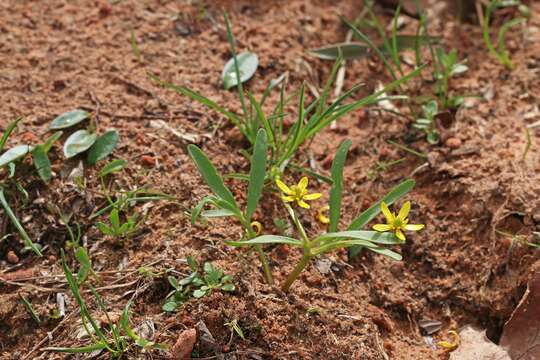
(284, 188)
(303, 204)
(382, 227)
(287, 198)
(303, 183)
(414, 227)
(404, 211)
(400, 235)
(313, 196)
(321, 215)
(387, 214)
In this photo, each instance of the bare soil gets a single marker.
(59, 55)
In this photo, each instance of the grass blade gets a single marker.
(266, 239)
(336, 191)
(5, 136)
(257, 173)
(26, 239)
(210, 175)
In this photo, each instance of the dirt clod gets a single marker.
(183, 346)
(11, 257)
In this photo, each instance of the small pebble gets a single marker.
(148, 160)
(453, 143)
(12, 258)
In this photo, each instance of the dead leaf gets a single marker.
(521, 332)
(475, 345)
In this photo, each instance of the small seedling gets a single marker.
(118, 228)
(499, 50)
(85, 140)
(427, 123)
(196, 285)
(235, 328)
(448, 67)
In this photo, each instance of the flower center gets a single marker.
(398, 223)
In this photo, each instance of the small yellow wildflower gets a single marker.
(323, 219)
(398, 223)
(297, 192)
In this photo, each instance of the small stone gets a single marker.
(148, 160)
(183, 347)
(11, 257)
(453, 143)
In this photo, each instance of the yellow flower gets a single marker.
(398, 223)
(323, 219)
(297, 192)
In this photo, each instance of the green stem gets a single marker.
(262, 256)
(306, 257)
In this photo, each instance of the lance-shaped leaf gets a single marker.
(112, 167)
(5, 136)
(336, 191)
(257, 173)
(210, 175)
(266, 239)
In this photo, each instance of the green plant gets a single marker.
(352, 238)
(196, 284)
(118, 228)
(116, 340)
(448, 66)
(235, 328)
(85, 140)
(285, 141)
(427, 123)
(499, 50)
(223, 198)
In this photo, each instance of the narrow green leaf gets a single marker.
(78, 350)
(266, 239)
(78, 142)
(47, 145)
(103, 146)
(217, 213)
(386, 252)
(5, 136)
(26, 239)
(247, 65)
(371, 236)
(86, 266)
(394, 195)
(257, 173)
(42, 163)
(69, 119)
(112, 167)
(30, 309)
(210, 174)
(336, 191)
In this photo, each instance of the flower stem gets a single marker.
(296, 271)
(264, 262)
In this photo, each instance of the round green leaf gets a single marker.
(247, 65)
(78, 142)
(103, 146)
(68, 119)
(14, 154)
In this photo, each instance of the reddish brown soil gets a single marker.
(61, 55)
